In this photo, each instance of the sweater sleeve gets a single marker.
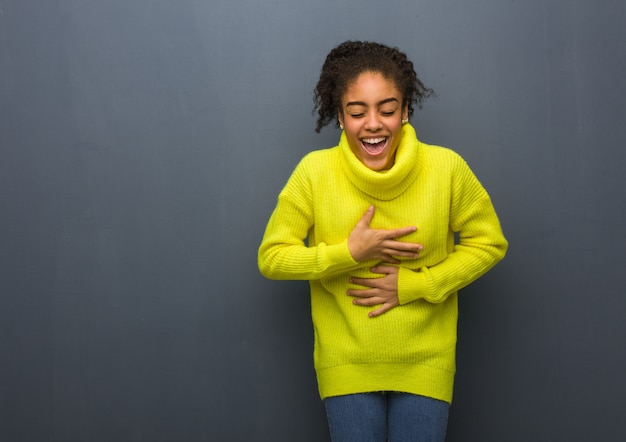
(481, 244)
(283, 253)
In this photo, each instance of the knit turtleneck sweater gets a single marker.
(410, 348)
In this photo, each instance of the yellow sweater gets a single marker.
(411, 348)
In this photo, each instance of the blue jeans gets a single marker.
(386, 416)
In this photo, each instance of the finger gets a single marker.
(368, 302)
(403, 246)
(361, 282)
(392, 256)
(379, 311)
(384, 269)
(395, 254)
(367, 216)
(363, 293)
(396, 233)
(365, 282)
(393, 260)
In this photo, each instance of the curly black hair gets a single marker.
(350, 59)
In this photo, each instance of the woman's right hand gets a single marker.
(366, 243)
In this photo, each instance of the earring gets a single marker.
(341, 126)
(405, 120)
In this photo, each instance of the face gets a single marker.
(371, 114)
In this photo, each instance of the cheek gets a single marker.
(397, 129)
(352, 133)
(355, 144)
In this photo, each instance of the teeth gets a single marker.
(373, 140)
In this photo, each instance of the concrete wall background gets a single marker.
(142, 147)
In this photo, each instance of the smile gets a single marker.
(374, 146)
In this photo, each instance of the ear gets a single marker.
(405, 112)
(340, 117)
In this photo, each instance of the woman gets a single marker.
(371, 223)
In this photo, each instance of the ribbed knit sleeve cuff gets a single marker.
(412, 285)
(338, 256)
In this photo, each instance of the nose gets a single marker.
(373, 123)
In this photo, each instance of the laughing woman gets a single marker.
(371, 223)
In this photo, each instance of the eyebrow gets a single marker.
(361, 103)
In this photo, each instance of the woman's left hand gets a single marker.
(382, 290)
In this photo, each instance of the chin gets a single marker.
(382, 164)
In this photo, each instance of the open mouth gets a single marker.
(374, 146)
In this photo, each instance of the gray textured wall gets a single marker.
(142, 147)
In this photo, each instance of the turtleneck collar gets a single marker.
(384, 184)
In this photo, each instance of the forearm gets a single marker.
(480, 247)
(459, 269)
(280, 260)
(283, 253)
